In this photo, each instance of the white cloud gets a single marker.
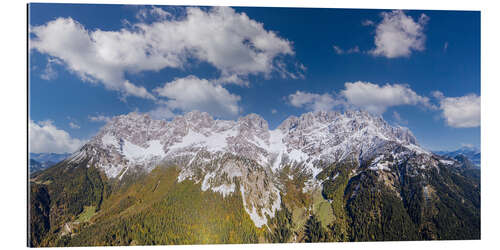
(437, 94)
(44, 137)
(368, 96)
(274, 111)
(159, 12)
(192, 93)
(231, 79)
(99, 118)
(461, 112)
(376, 99)
(312, 101)
(340, 51)
(367, 23)
(74, 125)
(91, 55)
(353, 50)
(232, 42)
(398, 35)
(283, 70)
(397, 117)
(153, 12)
(49, 73)
(138, 91)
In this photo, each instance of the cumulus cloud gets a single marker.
(95, 56)
(368, 96)
(461, 112)
(99, 118)
(234, 44)
(398, 35)
(45, 137)
(313, 101)
(376, 98)
(192, 93)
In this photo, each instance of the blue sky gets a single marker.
(419, 69)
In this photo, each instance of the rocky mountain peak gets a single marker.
(253, 121)
(289, 123)
(132, 117)
(314, 135)
(197, 119)
(135, 127)
(347, 123)
(204, 148)
(253, 125)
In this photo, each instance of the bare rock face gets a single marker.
(220, 153)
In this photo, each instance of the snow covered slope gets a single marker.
(220, 153)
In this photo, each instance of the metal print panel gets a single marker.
(160, 125)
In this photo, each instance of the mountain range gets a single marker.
(323, 176)
(471, 153)
(41, 161)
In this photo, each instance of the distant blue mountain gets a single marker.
(41, 161)
(35, 166)
(471, 153)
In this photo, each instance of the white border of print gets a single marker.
(14, 122)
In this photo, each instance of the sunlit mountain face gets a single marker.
(319, 168)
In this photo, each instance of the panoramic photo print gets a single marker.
(174, 125)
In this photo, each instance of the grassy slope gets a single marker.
(88, 212)
(158, 210)
(333, 190)
(322, 208)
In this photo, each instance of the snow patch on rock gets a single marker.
(447, 162)
(109, 140)
(225, 189)
(136, 153)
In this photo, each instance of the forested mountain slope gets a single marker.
(324, 176)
